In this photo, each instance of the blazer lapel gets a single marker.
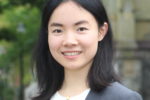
(93, 96)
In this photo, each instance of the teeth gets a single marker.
(71, 53)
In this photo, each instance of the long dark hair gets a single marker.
(50, 74)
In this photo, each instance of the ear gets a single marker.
(102, 31)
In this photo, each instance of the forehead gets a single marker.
(70, 12)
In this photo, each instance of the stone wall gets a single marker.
(131, 26)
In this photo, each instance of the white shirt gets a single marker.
(81, 96)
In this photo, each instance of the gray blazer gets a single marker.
(115, 91)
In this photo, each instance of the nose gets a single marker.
(70, 39)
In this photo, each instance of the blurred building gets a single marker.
(31, 91)
(130, 20)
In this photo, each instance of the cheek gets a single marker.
(54, 44)
(90, 47)
(90, 40)
(91, 43)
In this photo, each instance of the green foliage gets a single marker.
(3, 4)
(7, 4)
(27, 16)
(7, 92)
(6, 58)
(19, 26)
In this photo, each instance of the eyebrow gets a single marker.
(56, 24)
(61, 25)
(81, 22)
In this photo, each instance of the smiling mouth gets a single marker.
(71, 53)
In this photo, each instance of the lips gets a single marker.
(71, 53)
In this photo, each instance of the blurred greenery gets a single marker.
(19, 26)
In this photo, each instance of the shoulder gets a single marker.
(116, 91)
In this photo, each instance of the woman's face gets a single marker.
(73, 36)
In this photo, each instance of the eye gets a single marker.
(57, 31)
(81, 29)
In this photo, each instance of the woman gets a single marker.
(74, 54)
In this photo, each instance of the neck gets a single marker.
(75, 82)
